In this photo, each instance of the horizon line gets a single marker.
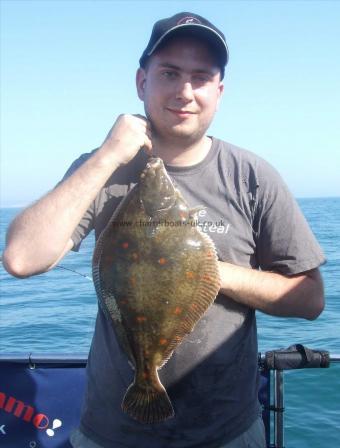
(295, 197)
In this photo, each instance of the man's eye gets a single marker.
(169, 74)
(201, 78)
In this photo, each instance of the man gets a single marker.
(268, 256)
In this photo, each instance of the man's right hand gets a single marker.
(127, 136)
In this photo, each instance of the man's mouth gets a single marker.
(180, 112)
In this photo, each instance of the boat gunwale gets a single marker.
(81, 358)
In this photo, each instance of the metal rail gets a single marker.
(81, 357)
(279, 404)
(276, 405)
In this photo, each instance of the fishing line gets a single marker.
(66, 269)
(72, 270)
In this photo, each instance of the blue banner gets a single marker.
(40, 406)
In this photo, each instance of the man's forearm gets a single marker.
(39, 235)
(295, 296)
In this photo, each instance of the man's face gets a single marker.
(181, 89)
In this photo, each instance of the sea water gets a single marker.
(55, 313)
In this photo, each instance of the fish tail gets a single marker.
(147, 403)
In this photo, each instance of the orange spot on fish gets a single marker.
(162, 261)
(140, 319)
(206, 278)
(163, 341)
(190, 275)
(178, 310)
(125, 245)
(133, 280)
(194, 307)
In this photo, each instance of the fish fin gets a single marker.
(147, 404)
(108, 304)
(194, 210)
(171, 347)
(207, 289)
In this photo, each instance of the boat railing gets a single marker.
(41, 394)
(274, 363)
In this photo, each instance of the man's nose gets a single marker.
(184, 91)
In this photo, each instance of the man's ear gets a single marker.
(219, 94)
(140, 83)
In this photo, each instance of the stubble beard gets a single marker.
(175, 137)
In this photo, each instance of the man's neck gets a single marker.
(177, 154)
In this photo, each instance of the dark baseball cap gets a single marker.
(188, 24)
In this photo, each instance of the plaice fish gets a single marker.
(155, 274)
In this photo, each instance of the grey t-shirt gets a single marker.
(212, 377)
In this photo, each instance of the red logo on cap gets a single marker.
(188, 20)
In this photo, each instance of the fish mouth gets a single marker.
(157, 192)
(154, 164)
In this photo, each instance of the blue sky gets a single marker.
(68, 70)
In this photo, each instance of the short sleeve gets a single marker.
(86, 224)
(285, 242)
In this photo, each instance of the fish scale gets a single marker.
(154, 278)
